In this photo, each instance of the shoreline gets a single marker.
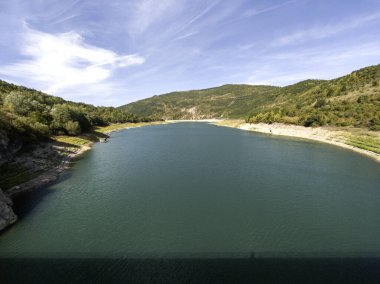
(210, 120)
(330, 135)
(8, 217)
(47, 178)
(118, 127)
(50, 176)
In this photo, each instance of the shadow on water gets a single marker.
(24, 203)
(217, 270)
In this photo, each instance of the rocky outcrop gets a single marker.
(7, 216)
(9, 146)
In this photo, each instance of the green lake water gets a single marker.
(194, 190)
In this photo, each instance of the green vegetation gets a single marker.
(99, 132)
(352, 100)
(365, 142)
(35, 116)
(28, 118)
(74, 141)
(226, 101)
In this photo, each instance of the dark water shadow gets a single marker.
(223, 270)
(24, 203)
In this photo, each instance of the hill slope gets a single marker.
(350, 100)
(224, 101)
(27, 115)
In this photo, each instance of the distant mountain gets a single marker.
(224, 101)
(352, 100)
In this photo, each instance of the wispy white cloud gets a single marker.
(68, 8)
(63, 61)
(329, 57)
(324, 31)
(64, 19)
(185, 44)
(290, 67)
(245, 47)
(255, 11)
(199, 15)
(187, 35)
(148, 12)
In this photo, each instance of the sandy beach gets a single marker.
(210, 120)
(335, 136)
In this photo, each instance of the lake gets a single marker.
(198, 191)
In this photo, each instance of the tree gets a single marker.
(320, 103)
(21, 103)
(73, 128)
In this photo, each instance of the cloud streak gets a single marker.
(326, 31)
(148, 12)
(255, 12)
(281, 69)
(63, 61)
(200, 15)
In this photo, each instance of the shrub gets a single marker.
(73, 128)
(314, 120)
(320, 103)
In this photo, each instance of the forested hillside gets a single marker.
(35, 116)
(352, 100)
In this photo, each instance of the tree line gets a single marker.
(37, 116)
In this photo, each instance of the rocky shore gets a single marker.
(51, 172)
(7, 216)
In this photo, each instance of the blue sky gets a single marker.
(117, 51)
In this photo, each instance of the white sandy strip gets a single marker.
(211, 120)
(317, 134)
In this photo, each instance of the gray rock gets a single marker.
(7, 216)
(9, 146)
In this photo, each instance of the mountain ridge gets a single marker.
(350, 100)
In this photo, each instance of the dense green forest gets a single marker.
(36, 116)
(352, 100)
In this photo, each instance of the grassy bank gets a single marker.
(98, 134)
(365, 141)
(119, 126)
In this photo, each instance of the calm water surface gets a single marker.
(193, 189)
